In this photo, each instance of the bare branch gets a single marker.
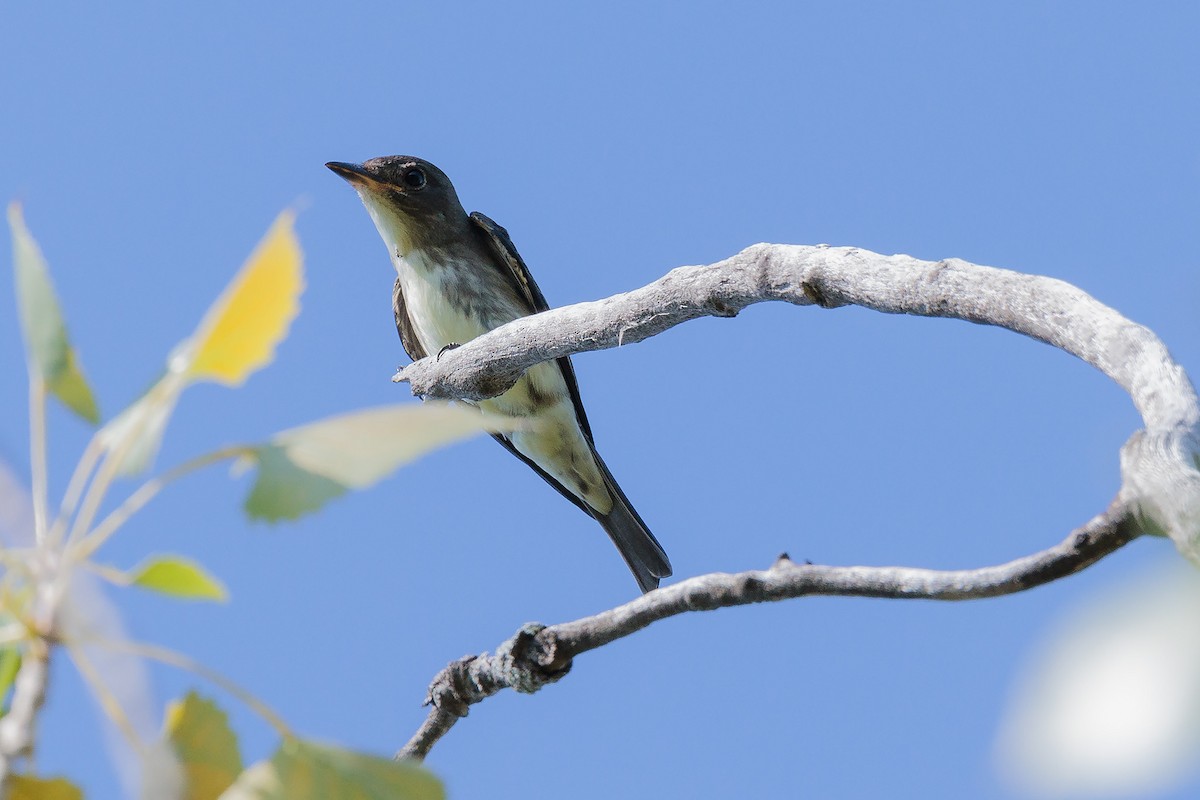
(1161, 484)
(1044, 308)
(538, 655)
(17, 728)
(1160, 491)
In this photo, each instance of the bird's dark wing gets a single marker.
(506, 254)
(641, 551)
(408, 336)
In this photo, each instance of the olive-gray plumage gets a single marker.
(459, 276)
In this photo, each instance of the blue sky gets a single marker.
(153, 144)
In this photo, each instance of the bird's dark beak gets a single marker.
(354, 173)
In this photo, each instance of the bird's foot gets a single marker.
(448, 347)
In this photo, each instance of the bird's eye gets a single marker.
(414, 178)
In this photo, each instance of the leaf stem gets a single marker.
(181, 661)
(105, 697)
(115, 455)
(84, 548)
(83, 470)
(37, 451)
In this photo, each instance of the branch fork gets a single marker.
(1160, 464)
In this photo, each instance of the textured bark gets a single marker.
(538, 655)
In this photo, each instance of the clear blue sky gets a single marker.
(152, 145)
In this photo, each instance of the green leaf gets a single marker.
(308, 771)
(42, 323)
(178, 577)
(284, 490)
(301, 469)
(200, 733)
(28, 787)
(10, 663)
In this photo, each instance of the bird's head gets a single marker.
(413, 203)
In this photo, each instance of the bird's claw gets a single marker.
(450, 346)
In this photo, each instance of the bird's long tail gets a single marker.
(645, 556)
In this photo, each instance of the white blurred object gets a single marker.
(1110, 707)
(16, 510)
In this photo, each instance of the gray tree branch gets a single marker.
(1160, 490)
(538, 655)
(17, 728)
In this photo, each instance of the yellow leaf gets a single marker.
(237, 336)
(206, 745)
(309, 771)
(28, 787)
(240, 332)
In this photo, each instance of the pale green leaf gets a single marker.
(359, 448)
(308, 771)
(10, 662)
(178, 577)
(42, 323)
(301, 469)
(283, 490)
(200, 733)
(136, 434)
(28, 787)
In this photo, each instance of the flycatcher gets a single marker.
(459, 276)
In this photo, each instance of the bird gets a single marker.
(458, 276)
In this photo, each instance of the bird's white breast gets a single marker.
(556, 442)
(427, 297)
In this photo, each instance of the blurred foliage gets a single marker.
(299, 470)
